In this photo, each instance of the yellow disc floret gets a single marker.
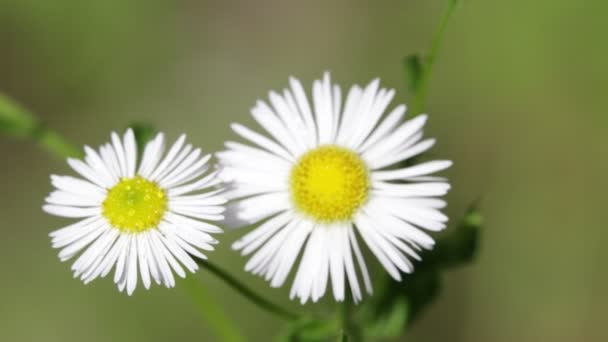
(135, 205)
(329, 183)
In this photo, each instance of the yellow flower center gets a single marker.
(135, 205)
(329, 183)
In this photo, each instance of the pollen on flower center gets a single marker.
(329, 183)
(135, 205)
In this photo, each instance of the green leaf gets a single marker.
(15, 121)
(413, 72)
(144, 132)
(458, 246)
(396, 305)
(389, 322)
(342, 337)
(309, 329)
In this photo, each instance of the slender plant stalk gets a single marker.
(247, 292)
(428, 61)
(55, 143)
(212, 313)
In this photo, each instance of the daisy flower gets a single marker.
(144, 221)
(327, 175)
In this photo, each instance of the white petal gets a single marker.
(412, 171)
(120, 154)
(152, 154)
(336, 264)
(410, 190)
(78, 187)
(407, 153)
(385, 260)
(386, 126)
(130, 153)
(366, 279)
(65, 211)
(407, 133)
(304, 108)
(71, 250)
(261, 141)
(291, 250)
(260, 234)
(273, 125)
(348, 123)
(203, 183)
(65, 198)
(144, 269)
(173, 151)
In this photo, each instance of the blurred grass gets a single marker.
(517, 99)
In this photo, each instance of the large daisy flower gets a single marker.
(148, 220)
(327, 175)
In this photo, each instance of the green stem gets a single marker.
(248, 293)
(18, 122)
(428, 62)
(351, 330)
(212, 312)
(55, 143)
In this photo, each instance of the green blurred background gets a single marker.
(518, 100)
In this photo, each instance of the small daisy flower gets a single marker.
(327, 175)
(144, 221)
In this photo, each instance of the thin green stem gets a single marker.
(248, 293)
(55, 143)
(428, 62)
(351, 330)
(18, 122)
(212, 312)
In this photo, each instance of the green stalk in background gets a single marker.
(248, 293)
(418, 69)
(211, 311)
(17, 122)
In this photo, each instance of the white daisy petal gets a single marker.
(109, 159)
(386, 126)
(64, 198)
(142, 257)
(287, 111)
(349, 265)
(153, 152)
(261, 141)
(304, 109)
(120, 154)
(98, 166)
(67, 211)
(146, 223)
(412, 171)
(397, 139)
(273, 125)
(88, 173)
(78, 187)
(350, 106)
(130, 153)
(336, 261)
(321, 173)
(405, 154)
(361, 115)
(173, 151)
